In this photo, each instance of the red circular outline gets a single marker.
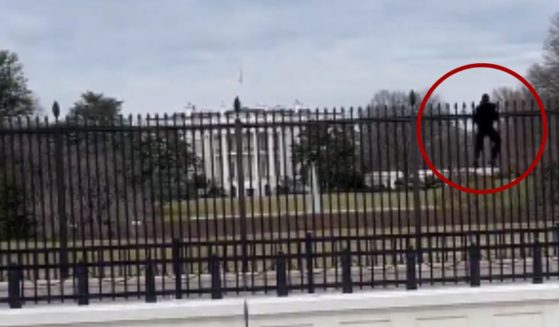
(502, 187)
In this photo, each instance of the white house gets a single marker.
(267, 138)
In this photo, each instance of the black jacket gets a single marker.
(485, 115)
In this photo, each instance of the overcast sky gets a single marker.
(159, 55)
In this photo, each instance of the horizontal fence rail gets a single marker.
(271, 202)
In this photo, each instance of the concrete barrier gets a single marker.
(512, 305)
(495, 306)
(223, 313)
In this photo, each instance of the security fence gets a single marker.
(270, 201)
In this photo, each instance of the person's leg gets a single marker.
(478, 147)
(496, 145)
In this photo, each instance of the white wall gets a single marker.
(504, 305)
(223, 313)
(495, 306)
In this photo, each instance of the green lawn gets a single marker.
(269, 205)
(440, 198)
(511, 200)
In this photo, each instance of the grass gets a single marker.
(511, 200)
(300, 203)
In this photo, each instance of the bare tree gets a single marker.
(510, 99)
(545, 75)
(388, 140)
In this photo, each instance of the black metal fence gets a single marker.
(279, 201)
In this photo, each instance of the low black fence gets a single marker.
(270, 201)
(317, 264)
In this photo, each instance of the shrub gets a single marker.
(15, 222)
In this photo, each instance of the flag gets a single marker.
(241, 75)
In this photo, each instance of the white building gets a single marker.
(268, 135)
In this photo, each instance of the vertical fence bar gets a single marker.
(449, 168)
(106, 215)
(389, 151)
(363, 196)
(138, 196)
(381, 132)
(61, 197)
(527, 221)
(281, 275)
(544, 181)
(416, 197)
(34, 209)
(241, 188)
(72, 191)
(159, 196)
(509, 150)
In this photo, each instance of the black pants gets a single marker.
(495, 143)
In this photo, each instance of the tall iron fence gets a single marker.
(259, 201)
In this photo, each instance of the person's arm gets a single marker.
(475, 116)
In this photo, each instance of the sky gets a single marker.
(159, 56)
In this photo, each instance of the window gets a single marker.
(262, 141)
(232, 168)
(263, 167)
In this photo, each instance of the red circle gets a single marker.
(502, 187)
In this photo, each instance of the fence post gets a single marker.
(241, 185)
(347, 285)
(14, 286)
(83, 283)
(411, 279)
(281, 275)
(537, 270)
(177, 267)
(215, 277)
(61, 201)
(475, 257)
(309, 261)
(150, 282)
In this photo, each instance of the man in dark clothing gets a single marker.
(485, 116)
